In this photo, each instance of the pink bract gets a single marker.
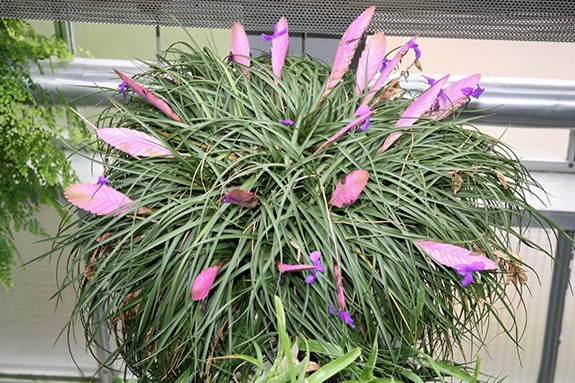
(147, 95)
(347, 47)
(279, 47)
(204, 282)
(370, 61)
(414, 111)
(100, 199)
(349, 188)
(133, 142)
(241, 47)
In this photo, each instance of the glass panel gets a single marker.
(565, 371)
(501, 357)
(31, 322)
(532, 143)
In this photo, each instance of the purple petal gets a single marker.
(346, 318)
(467, 279)
(470, 92)
(103, 181)
(477, 92)
(287, 122)
(343, 315)
(442, 96)
(276, 34)
(315, 257)
(384, 64)
(430, 80)
(311, 278)
(469, 267)
(467, 91)
(122, 87)
(413, 45)
(332, 310)
(365, 125)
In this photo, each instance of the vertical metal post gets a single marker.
(103, 346)
(571, 148)
(63, 30)
(559, 285)
(158, 40)
(71, 38)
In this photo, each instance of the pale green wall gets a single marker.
(129, 42)
(139, 42)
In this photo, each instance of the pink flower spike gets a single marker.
(204, 282)
(464, 261)
(339, 287)
(349, 188)
(241, 47)
(455, 96)
(100, 199)
(133, 142)
(280, 45)
(384, 75)
(286, 268)
(242, 198)
(359, 120)
(347, 47)
(147, 95)
(418, 107)
(370, 61)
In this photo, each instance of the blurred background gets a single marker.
(31, 343)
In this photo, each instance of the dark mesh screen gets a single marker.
(530, 20)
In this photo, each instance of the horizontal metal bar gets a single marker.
(506, 101)
(552, 166)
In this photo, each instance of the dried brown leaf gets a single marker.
(456, 180)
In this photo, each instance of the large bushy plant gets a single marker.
(34, 167)
(231, 181)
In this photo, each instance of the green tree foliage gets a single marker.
(33, 164)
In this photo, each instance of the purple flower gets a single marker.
(343, 316)
(464, 261)
(122, 87)
(287, 122)
(363, 109)
(442, 96)
(467, 270)
(413, 45)
(315, 257)
(384, 64)
(430, 80)
(475, 93)
(276, 34)
(103, 181)
(311, 278)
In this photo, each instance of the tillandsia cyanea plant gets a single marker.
(378, 218)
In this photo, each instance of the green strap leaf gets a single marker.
(334, 367)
